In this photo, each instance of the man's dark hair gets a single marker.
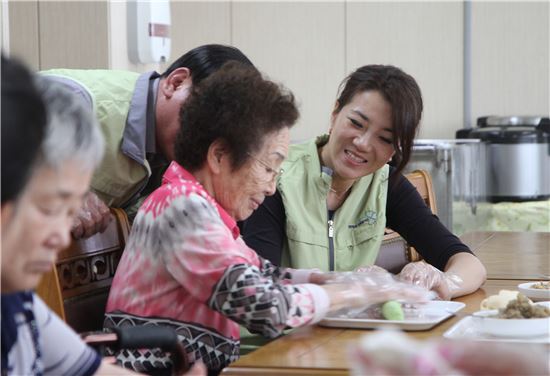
(23, 126)
(236, 105)
(204, 60)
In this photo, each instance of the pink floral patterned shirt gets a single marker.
(186, 266)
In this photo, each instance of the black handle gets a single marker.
(482, 121)
(544, 125)
(165, 338)
(138, 337)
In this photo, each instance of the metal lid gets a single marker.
(510, 129)
(503, 121)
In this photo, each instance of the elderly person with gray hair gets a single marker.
(51, 145)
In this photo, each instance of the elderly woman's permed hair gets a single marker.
(237, 105)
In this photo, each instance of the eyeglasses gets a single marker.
(271, 172)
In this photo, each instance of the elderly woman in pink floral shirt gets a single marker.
(185, 265)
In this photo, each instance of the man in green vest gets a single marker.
(139, 117)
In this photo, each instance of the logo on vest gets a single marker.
(369, 218)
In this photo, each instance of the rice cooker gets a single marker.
(518, 156)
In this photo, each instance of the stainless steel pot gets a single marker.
(518, 152)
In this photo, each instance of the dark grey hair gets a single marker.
(72, 131)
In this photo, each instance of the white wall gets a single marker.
(312, 46)
(511, 58)
(301, 45)
(425, 40)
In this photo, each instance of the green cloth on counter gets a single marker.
(530, 216)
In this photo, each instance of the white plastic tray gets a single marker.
(428, 316)
(466, 329)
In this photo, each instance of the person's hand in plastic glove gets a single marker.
(391, 352)
(425, 275)
(92, 217)
(370, 269)
(198, 369)
(320, 278)
(359, 290)
(491, 358)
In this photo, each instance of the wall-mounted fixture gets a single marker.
(148, 31)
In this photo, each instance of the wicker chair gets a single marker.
(394, 251)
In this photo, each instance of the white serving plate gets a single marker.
(533, 294)
(486, 323)
(466, 329)
(429, 315)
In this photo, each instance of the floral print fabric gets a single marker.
(186, 266)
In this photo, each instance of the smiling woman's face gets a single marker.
(37, 226)
(361, 137)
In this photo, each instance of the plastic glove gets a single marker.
(357, 291)
(318, 277)
(93, 217)
(371, 269)
(425, 275)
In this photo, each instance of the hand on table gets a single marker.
(371, 269)
(391, 352)
(362, 289)
(483, 358)
(320, 278)
(93, 217)
(198, 369)
(425, 275)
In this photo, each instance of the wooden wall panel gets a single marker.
(23, 32)
(425, 40)
(197, 23)
(511, 55)
(300, 45)
(74, 34)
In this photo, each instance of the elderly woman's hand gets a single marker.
(93, 217)
(357, 291)
(492, 358)
(371, 269)
(425, 275)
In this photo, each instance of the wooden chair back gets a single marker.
(78, 287)
(394, 251)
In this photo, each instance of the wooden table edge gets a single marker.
(271, 371)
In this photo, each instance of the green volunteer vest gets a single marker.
(118, 177)
(358, 224)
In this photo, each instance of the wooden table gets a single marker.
(512, 255)
(323, 351)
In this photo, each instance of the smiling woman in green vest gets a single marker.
(338, 192)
